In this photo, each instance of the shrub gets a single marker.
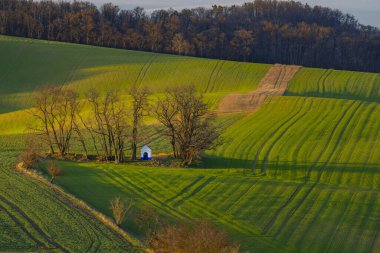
(195, 237)
(120, 209)
(54, 170)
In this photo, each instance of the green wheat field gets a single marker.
(315, 154)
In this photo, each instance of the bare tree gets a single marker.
(109, 126)
(55, 109)
(54, 170)
(189, 123)
(119, 209)
(195, 237)
(140, 102)
(166, 111)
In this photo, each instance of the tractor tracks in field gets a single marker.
(298, 189)
(144, 70)
(260, 149)
(35, 227)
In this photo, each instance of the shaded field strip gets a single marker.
(34, 225)
(185, 189)
(195, 191)
(268, 226)
(242, 196)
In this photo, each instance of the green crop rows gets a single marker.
(336, 84)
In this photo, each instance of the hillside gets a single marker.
(299, 173)
(27, 64)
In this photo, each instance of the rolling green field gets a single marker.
(302, 174)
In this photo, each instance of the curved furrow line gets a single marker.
(290, 233)
(70, 76)
(214, 83)
(365, 222)
(376, 236)
(296, 120)
(211, 76)
(195, 191)
(371, 148)
(34, 225)
(242, 137)
(319, 81)
(300, 186)
(142, 69)
(185, 189)
(324, 81)
(149, 65)
(341, 220)
(138, 191)
(368, 151)
(282, 207)
(340, 148)
(316, 121)
(211, 212)
(275, 132)
(22, 227)
(242, 196)
(329, 138)
(304, 197)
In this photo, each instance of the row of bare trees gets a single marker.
(98, 120)
(105, 123)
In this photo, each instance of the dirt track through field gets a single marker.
(274, 83)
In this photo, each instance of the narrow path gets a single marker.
(274, 83)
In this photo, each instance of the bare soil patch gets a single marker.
(274, 83)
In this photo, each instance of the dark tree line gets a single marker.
(267, 31)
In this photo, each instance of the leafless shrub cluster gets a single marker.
(54, 170)
(119, 209)
(195, 237)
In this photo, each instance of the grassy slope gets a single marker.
(34, 218)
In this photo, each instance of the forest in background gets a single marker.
(267, 31)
